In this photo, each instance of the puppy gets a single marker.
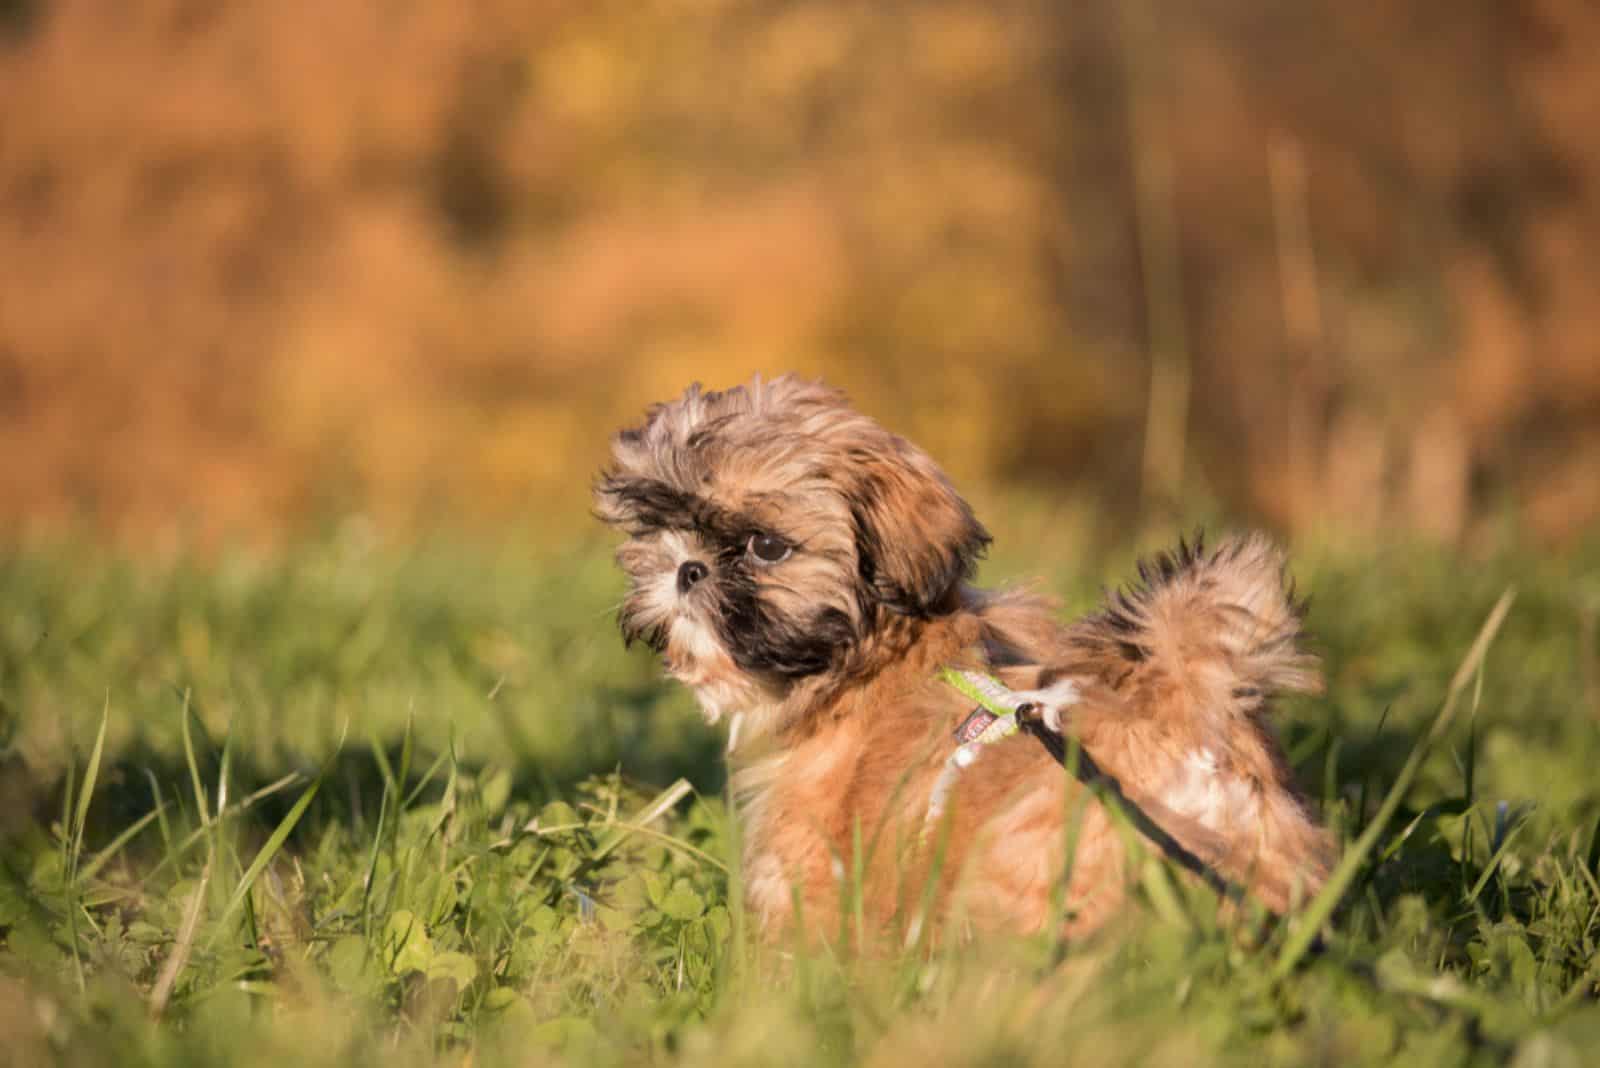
(805, 572)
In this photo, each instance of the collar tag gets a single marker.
(977, 721)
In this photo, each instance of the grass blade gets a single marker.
(69, 791)
(181, 948)
(427, 777)
(263, 858)
(1495, 859)
(658, 806)
(175, 853)
(194, 764)
(91, 774)
(100, 859)
(371, 873)
(1304, 927)
(160, 810)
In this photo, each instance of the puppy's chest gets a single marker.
(800, 821)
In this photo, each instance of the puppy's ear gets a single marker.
(915, 537)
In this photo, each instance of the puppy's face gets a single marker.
(771, 532)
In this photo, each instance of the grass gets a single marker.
(354, 806)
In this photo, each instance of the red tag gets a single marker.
(976, 723)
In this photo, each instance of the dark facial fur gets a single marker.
(758, 638)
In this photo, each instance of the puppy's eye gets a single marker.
(769, 548)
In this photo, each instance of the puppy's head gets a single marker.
(771, 531)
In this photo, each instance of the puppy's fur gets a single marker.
(805, 572)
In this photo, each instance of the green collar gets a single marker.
(995, 719)
(995, 716)
(985, 689)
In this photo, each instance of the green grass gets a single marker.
(356, 806)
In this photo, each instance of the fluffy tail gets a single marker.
(1221, 625)
(1191, 656)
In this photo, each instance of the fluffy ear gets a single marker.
(915, 537)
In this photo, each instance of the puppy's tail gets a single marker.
(1195, 652)
(1221, 627)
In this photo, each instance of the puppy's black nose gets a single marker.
(689, 573)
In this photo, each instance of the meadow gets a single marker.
(360, 804)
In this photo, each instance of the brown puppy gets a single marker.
(804, 571)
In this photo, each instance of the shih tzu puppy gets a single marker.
(805, 572)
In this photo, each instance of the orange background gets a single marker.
(1329, 264)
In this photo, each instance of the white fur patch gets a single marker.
(765, 887)
(693, 639)
(658, 593)
(1216, 800)
(1053, 701)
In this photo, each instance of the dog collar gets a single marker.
(995, 704)
(994, 719)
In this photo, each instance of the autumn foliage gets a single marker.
(263, 261)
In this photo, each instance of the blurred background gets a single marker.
(1330, 266)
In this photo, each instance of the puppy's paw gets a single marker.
(1051, 704)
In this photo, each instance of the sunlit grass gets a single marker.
(351, 806)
